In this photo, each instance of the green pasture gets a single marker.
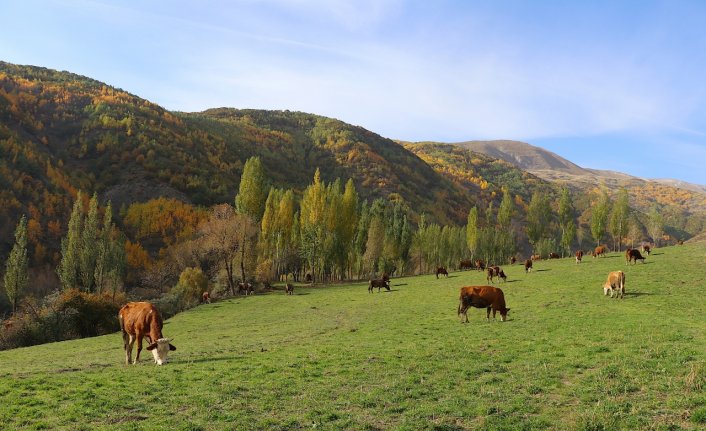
(338, 357)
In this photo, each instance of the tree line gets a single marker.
(325, 234)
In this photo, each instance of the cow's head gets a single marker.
(160, 349)
(503, 314)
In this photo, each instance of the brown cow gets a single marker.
(513, 260)
(633, 255)
(528, 265)
(536, 257)
(495, 271)
(579, 256)
(482, 297)
(466, 264)
(289, 289)
(379, 284)
(646, 249)
(142, 319)
(553, 255)
(441, 270)
(600, 251)
(480, 265)
(206, 297)
(615, 281)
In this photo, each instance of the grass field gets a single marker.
(568, 358)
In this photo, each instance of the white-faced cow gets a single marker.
(528, 265)
(615, 282)
(142, 319)
(579, 255)
(487, 297)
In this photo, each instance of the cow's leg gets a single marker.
(139, 347)
(129, 341)
(487, 315)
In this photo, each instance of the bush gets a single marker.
(62, 316)
(192, 284)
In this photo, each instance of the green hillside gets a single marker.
(569, 358)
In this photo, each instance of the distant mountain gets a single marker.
(523, 155)
(554, 168)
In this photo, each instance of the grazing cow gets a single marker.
(536, 257)
(615, 282)
(482, 297)
(142, 319)
(579, 256)
(553, 255)
(308, 278)
(205, 297)
(633, 255)
(289, 289)
(245, 288)
(600, 251)
(466, 264)
(495, 271)
(646, 249)
(441, 270)
(528, 265)
(513, 260)
(480, 265)
(379, 284)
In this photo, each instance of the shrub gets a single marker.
(62, 316)
(188, 290)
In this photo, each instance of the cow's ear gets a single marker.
(172, 347)
(152, 346)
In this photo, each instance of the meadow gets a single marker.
(337, 357)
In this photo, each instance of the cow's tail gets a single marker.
(126, 337)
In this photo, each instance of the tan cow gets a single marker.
(142, 319)
(615, 282)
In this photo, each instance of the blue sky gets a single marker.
(617, 85)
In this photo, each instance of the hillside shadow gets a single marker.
(401, 284)
(510, 281)
(656, 254)
(540, 270)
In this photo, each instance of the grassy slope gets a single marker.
(339, 358)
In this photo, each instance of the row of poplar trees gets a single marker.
(92, 254)
(331, 235)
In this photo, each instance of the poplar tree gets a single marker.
(104, 248)
(599, 218)
(567, 224)
(619, 218)
(252, 191)
(506, 210)
(655, 224)
(312, 223)
(472, 231)
(16, 277)
(68, 270)
(538, 218)
(348, 214)
(89, 246)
